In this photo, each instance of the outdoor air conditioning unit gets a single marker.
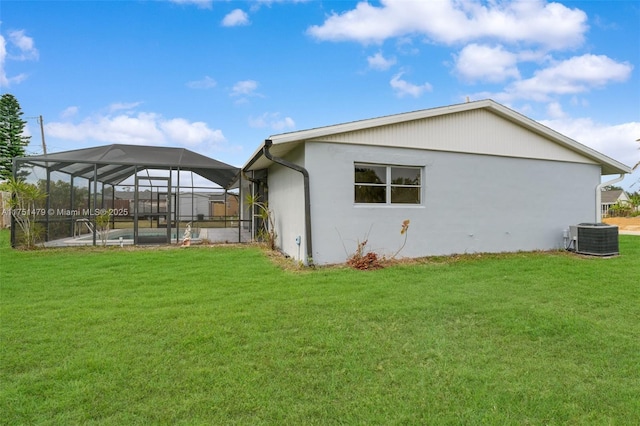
(598, 239)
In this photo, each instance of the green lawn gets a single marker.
(224, 336)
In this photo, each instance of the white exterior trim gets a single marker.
(376, 132)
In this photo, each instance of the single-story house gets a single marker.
(209, 205)
(193, 204)
(611, 198)
(472, 177)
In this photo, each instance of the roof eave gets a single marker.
(608, 165)
(377, 122)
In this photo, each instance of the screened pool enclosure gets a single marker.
(152, 194)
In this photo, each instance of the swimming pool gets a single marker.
(125, 237)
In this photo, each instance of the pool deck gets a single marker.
(212, 235)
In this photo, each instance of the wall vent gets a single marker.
(598, 239)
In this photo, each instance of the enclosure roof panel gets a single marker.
(115, 163)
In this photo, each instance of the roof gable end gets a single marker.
(482, 127)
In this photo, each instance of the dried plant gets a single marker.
(404, 230)
(267, 231)
(363, 259)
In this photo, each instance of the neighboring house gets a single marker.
(224, 205)
(193, 205)
(473, 177)
(613, 197)
(208, 205)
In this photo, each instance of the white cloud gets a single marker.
(141, 128)
(379, 62)
(18, 47)
(575, 75)
(8, 81)
(256, 4)
(405, 46)
(190, 134)
(244, 89)
(272, 120)
(449, 21)
(26, 46)
(4, 80)
(402, 87)
(477, 62)
(576, 101)
(202, 4)
(615, 141)
(124, 106)
(555, 111)
(236, 18)
(270, 2)
(70, 112)
(206, 83)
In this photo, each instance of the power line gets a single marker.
(41, 121)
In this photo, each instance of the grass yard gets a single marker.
(222, 335)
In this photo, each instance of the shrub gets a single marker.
(24, 202)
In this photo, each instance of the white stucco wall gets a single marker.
(471, 203)
(286, 200)
(191, 205)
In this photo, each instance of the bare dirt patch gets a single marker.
(624, 223)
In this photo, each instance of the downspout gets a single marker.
(307, 197)
(599, 195)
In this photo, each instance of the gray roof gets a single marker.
(611, 197)
(116, 162)
(285, 142)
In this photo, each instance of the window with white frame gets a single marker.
(385, 184)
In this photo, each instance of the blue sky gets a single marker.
(218, 77)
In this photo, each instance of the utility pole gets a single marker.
(41, 122)
(44, 145)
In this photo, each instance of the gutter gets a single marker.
(307, 197)
(599, 195)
